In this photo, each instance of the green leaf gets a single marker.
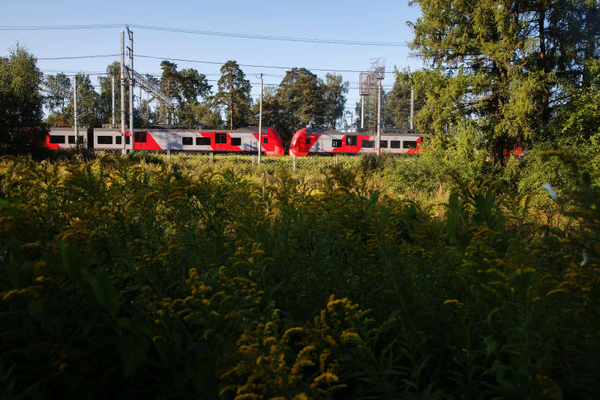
(70, 260)
(133, 355)
(105, 292)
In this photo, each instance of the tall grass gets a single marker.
(126, 277)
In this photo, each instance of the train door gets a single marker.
(141, 141)
(90, 138)
(351, 144)
(220, 142)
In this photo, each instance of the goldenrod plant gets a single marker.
(143, 277)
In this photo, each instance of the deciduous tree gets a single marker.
(300, 96)
(21, 114)
(334, 92)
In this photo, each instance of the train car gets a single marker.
(239, 140)
(64, 138)
(393, 141)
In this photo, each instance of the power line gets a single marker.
(78, 57)
(251, 65)
(202, 62)
(56, 27)
(202, 32)
(264, 37)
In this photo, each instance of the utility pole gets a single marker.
(75, 122)
(131, 87)
(260, 120)
(123, 93)
(362, 112)
(112, 98)
(412, 106)
(379, 121)
(365, 79)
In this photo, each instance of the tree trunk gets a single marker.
(590, 48)
(544, 64)
(231, 106)
(495, 110)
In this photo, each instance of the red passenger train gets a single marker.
(393, 141)
(235, 141)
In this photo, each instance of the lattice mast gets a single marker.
(370, 84)
(135, 78)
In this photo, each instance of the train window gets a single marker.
(336, 143)
(118, 140)
(307, 141)
(105, 140)
(236, 141)
(383, 144)
(71, 139)
(351, 140)
(369, 144)
(57, 139)
(265, 140)
(409, 144)
(220, 138)
(187, 141)
(140, 137)
(395, 144)
(202, 141)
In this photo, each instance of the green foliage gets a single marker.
(21, 115)
(397, 107)
(122, 278)
(503, 65)
(371, 162)
(334, 94)
(304, 100)
(184, 86)
(234, 95)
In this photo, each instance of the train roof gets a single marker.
(176, 128)
(384, 132)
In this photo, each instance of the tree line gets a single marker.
(302, 99)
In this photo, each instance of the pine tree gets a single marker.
(234, 94)
(479, 51)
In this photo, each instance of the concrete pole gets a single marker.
(131, 87)
(75, 122)
(362, 112)
(412, 106)
(112, 98)
(379, 121)
(260, 120)
(123, 92)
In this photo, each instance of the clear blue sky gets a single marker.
(373, 21)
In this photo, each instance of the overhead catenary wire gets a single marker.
(203, 32)
(77, 57)
(204, 62)
(252, 65)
